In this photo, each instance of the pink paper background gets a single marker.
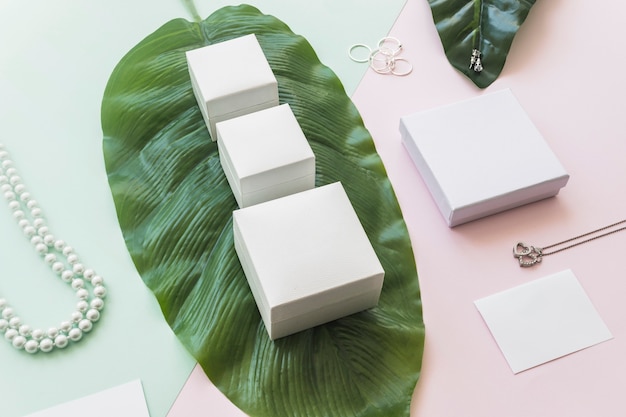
(566, 68)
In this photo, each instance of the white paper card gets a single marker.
(542, 320)
(126, 400)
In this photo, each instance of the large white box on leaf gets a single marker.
(230, 79)
(307, 259)
(481, 156)
(265, 155)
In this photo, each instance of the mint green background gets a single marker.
(56, 57)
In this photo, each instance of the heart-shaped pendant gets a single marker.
(527, 255)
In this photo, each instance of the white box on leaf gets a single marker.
(230, 79)
(481, 156)
(265, 155)
(307, 259)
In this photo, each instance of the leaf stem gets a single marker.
(191, 8)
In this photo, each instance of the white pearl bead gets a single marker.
(60, 341)
(25, 330)
(23, 223)
(11, 172)
(67, 250)
(29, 231)
(53, 332)
(97, 280)
(31, 204)
(93, 315)
(35, 240)
(97, 303)
(25, 197)
(65, 326)
(78, 268)
(48, 239)
(14, 205)
(77, 316)
(15, 179)
(3, 325)
(85, 325)
(50, 258)
(82, 306)
(20, 188)
(43, 231)
(4, 179)
(99, 291)
(9, 195)
(89, 274)
(18, 214)
(59, 245)
(58, 267)
(78, 284)
(15, 322)
(46, 345)
(82, 294)
(75, 334)
(31, 346)
(72, 259)
(6, 188)
(38, 223)
(7, 313)
(7, 162)
(37, 334)
(19, 342)
(10, 334)
(41, 248)
(3, 303)
(67, 275)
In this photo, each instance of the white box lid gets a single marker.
(264, 148)
(307, 250)
(481, 156)
(232, 75)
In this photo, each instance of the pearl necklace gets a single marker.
(63, 262)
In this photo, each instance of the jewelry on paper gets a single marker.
(384, 59)
(475, 61)
(88, 286)
(529, 255)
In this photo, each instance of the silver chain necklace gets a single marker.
(528, 255)
(63, 261)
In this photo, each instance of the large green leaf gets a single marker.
(175, 210)
(486, 25)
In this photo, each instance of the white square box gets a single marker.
(230, 79)
(307, 259)
(265, 155)
(481, 156)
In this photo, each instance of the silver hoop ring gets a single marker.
(360, 45)
(401, 73)
(390, 39)
(388, 61)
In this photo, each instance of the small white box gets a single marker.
(230, 79)
(481, 156)
(307, 259)
(265, 155)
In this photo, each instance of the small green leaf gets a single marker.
(486, 25)
(175, 210)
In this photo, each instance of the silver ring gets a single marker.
(387, 61)
(390, 39)
(401, 73)
(360, 45)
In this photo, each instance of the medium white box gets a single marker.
(265, 155)
(230, 79)
(307, 259)
(481, 156)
